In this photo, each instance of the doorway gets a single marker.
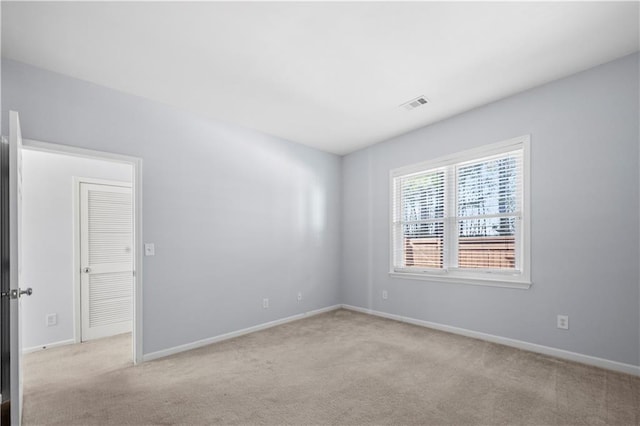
(109, 291)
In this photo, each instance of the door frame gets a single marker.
(77, 264)
(136, 186)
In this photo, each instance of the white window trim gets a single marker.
(520, 280)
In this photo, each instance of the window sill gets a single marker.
(489, 282)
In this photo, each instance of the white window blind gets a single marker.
(463, 216)
(488, 205)
(420, 226)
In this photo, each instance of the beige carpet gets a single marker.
(336, 368)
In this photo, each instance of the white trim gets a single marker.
(48, 346)
(525, 244)
(137, 270)
(208, 341)
(109, 182)
(56, 148)
(77, 318)
(519, 344)
(136, 184)
(498, 281)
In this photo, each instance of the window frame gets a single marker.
(449, 273)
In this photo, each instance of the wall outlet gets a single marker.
(299, 296)
(563, 322)
(51, 320)
(385, 295)
(265, 303)
(149, 249)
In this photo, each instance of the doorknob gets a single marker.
(86, 270)
(17, 292)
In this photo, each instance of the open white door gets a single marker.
(15, 269)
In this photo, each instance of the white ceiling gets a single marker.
(329, 75)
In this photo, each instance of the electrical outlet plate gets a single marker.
(563, 322)
(299, 296)
(265, 303)
(51, 319)
(385, 295)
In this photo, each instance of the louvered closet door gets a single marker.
(106, 248)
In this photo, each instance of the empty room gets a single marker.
(313, 213)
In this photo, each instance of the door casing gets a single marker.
(136, 186)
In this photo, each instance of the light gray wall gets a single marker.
(199, 176)
(47, 239)
(236, 215)
(584, 217)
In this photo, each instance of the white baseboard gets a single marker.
(204, 342)
(533, 347)
(48, 346)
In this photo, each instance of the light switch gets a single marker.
(149, 249)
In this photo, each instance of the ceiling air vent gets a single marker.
(415, 103)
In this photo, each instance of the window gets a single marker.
(464, 218)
